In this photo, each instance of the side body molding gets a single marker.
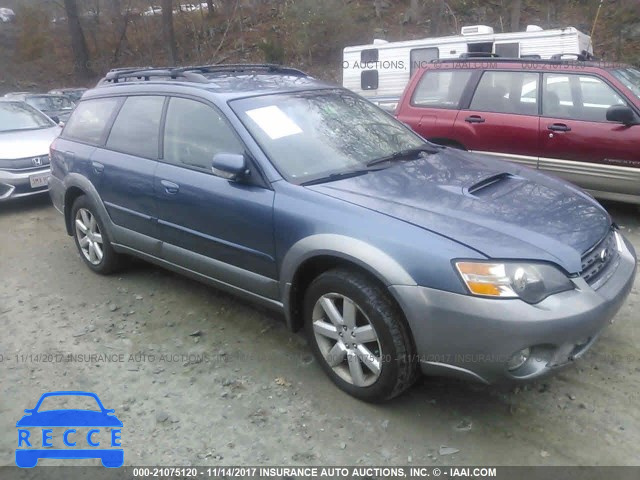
(358, 252)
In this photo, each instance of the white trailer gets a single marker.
(382, 69)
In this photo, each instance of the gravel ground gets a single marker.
(201, 378)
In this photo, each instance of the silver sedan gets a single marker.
(25, 136)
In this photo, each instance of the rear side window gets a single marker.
(90, 119)
(136, 129)
(441, 88)
(507, 92)
(194, 132)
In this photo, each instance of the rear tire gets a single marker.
(91, 238)
(359, 335)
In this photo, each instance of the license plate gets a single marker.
(39, 181)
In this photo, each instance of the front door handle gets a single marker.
(474, 119)
(170, 187)
(559, 127)
(97, 167)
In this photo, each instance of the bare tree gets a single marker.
(210, 8)
(168, 32)
(78, 41)
(516, 8)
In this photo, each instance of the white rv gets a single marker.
(381, 70)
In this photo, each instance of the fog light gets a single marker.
(518, 359)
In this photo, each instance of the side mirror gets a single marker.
(55, 118)
(622, 114)
(229, 165)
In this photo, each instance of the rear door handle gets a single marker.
(170, 187)
(97, 167)
(559, 127)
(474, 119)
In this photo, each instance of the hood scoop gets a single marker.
(493, 184)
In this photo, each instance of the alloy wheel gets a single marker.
(89, 236)
(347, 340)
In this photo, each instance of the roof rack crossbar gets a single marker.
(195, 73)
(242, 67)
(146, 75)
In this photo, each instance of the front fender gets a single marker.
(350, 249)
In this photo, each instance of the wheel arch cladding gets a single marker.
(75, 186)
(314, 255)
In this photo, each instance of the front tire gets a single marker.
(91, 238)
(359, 336)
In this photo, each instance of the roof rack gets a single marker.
(242, 67)
(194, 73)
(581, 57)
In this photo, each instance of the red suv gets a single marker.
(578, 120)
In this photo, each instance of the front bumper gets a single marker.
(472, 337)
(17, 184)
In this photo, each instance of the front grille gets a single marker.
(25, 164)
(596, 262)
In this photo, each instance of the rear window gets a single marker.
(441, 88)
(137, 127)
(90, 119)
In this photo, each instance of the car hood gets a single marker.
(501, 210)
(27, 143)
(69, 418)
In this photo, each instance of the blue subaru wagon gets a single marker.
(396, 255)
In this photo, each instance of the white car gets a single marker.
(25, 136)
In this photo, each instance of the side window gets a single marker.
(509, 50)
(507, 92)
(441, 88)
(194, 133)
(369, 80)
(89, 120)
(580, 97)
(136, 129)
(420, 57)
(369, 55)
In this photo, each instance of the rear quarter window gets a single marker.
(90, 119)
(441, 88)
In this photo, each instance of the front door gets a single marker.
(214, 226)
(578, 143)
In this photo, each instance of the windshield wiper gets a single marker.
(408, 154)
(336, 176)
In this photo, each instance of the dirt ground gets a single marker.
(200, 378)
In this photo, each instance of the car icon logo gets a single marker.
(81, 427)
(37, 161)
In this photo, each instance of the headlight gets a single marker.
(531, 282)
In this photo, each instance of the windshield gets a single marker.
(630, 77)
(50, 103)
(311, 135)
(19, 116)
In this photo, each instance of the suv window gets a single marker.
(507, 92)
(136, 129)
(90, 119)
(441, 88)
(580, 97)
(194, 132)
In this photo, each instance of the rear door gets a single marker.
(502, 118)
(432, 108)
(211, 225)
(578, 143)
(127, 164)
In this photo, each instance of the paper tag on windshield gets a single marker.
(274, 122)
